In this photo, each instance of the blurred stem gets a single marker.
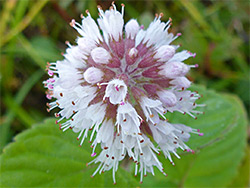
(32, 52)
(19, 111)
(25, 22)
(5, 16)
(5, 126)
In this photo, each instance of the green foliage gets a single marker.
(44, 156)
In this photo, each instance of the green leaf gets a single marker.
(44, 156)
(218, 154)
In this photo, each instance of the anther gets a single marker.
(141, 141)
(107, 155)
(121, 141)
(141, 153)
(72, 23)
(113, 157)
(106, 147)
(81, 16)
(61, 94)
(73, 102)
(151, 115)
(124, 120)
(99, 85)
(139, 133)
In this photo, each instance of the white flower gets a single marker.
(115, 88)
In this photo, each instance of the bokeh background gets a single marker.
(34, 32)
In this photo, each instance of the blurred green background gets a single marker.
(34, 32)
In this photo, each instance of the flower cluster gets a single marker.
(116, 87)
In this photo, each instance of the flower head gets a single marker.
(116, 87)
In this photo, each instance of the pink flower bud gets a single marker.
(132, 28)
(181, 82)
(165, 52)
(93, 75)
(168, 98)
(174, 69)
(133, 52)
(100, 55)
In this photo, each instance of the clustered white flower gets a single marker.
(117, 86)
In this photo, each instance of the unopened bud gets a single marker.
(168, 98)
(174, 69)
(133, 52)
(181, 82)
(86, 44)
(164, 53)
(93, 75)
(100, 55)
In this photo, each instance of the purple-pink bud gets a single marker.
(174, 69)
(165, 52)
(168, 98)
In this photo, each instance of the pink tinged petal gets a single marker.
(174, 69)
(164, 53)
(93, 75)
(100, 55)
(181, 82)
(152, 72)
(168, 98)
(132, 28)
